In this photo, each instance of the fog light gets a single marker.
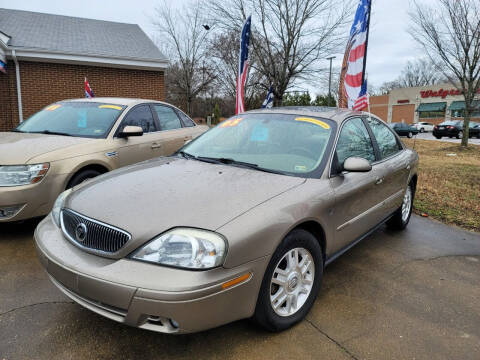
(9, 211)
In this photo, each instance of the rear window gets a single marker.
(451, 123)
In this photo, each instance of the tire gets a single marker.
(82, 176)
(459, 135)
(438, 137)
(400, 219)
(422, 130)
(410, 135)
(478, 135)
(284, 317)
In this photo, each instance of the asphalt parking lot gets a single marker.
(429, 136)
(409, 295)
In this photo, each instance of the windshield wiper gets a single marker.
(48, 132)
(186, 155)
(229, 161)
(16, 130)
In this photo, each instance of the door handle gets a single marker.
(156, 146)
(378, 180)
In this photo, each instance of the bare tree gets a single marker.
(450, 34)
(289, 37)
(224, 55)
(190, 72)
(421, 72)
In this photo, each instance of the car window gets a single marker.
(140, 116)
(75, 118)
(167, 117)
(354, 140)
(386, 140)
(187, 122)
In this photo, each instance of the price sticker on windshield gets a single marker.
(53, 107)
(115, 107)
(231, 122)
(314, 121)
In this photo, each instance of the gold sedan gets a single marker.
(71, 141)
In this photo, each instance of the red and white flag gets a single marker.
(352, 79)
(243, 66)
(88, 90)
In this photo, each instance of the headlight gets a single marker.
(57, 207)
(22, 174)
(185, 248)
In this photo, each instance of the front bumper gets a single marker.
(145, 295)
(33, 200)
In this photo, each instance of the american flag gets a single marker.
(243, 66)
(3, 67)
(361, 103)
(353, 70)
(88, 90)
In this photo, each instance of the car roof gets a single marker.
(332, 113)
(116, 100)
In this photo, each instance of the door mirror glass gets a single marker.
(357, 164)
(130, 130)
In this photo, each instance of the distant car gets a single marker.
(71, 141)
(455, 129)
(404, 129)
(423, 126)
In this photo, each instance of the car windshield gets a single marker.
(82, 119)
(290, 144)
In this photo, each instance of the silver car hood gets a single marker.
(149, 198)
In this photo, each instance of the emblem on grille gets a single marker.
(81, 232)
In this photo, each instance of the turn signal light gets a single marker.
(236, 281)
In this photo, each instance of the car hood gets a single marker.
(149, 198)
(19, 148)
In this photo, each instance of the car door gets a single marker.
(356, 193)
(172, 135)
(138, 148)
(392, 168)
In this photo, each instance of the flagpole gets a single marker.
(366, 41)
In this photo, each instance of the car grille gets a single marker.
(91, 234)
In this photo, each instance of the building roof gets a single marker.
(57, 34)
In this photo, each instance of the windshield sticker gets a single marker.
(259, 133)
(231, 122)
(300, 168)
(53, 107)
(115, 107)
(82, 120)
(314, 121)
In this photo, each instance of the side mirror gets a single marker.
(131, 131)
(356, 164)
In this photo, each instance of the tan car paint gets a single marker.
(69, 155)
(253, 210)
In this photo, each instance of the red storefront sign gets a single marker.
(441, 93)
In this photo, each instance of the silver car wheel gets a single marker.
(292, 282)
(407, 204)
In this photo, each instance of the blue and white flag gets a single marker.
(268, 103)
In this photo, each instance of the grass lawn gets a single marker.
(448, 186)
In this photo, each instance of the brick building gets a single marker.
(434, 104)
(48, 56)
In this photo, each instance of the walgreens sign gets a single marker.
(441, 93)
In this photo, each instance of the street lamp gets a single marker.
(330, 79)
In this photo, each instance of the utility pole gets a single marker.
(330, 79)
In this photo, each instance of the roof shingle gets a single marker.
(77, 36)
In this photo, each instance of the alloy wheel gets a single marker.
(292, 282)
(407, 204)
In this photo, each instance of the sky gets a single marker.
(390, 45)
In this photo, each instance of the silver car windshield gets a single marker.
(279, 142)
(82, 119)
